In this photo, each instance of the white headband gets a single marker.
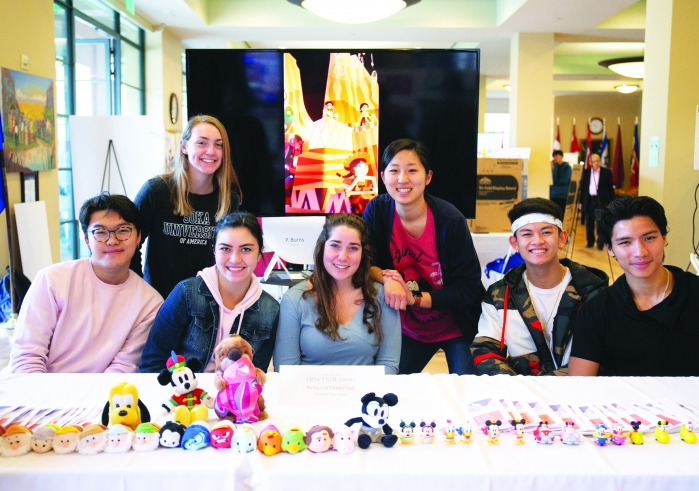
(535, 218)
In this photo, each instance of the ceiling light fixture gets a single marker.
(631, 67)
(354, 11)
(626, 89)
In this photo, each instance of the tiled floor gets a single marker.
(576, 252)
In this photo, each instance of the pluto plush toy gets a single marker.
(374, 420)
(188, 403)
(238, 382)
(124, 407)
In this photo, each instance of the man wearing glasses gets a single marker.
(93, 314)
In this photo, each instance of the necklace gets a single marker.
(667, 283)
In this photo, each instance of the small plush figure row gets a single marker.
(542, 433)
(427, 434)
(602, 435)
(87, 440)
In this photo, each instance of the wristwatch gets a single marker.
(417, 297)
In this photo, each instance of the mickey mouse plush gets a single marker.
(189, 402)
(374, 420)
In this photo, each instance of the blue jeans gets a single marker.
(415, 355)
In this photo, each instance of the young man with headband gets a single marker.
(525, 327)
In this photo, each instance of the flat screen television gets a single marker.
(307, 127)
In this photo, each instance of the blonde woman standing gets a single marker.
(179, 209)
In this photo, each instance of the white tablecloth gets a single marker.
(506, 467)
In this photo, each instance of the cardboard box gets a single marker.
(498, 188)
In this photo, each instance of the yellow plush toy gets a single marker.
(124, 407)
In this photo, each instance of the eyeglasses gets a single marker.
(121, 234)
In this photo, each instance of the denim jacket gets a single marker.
(188, 324)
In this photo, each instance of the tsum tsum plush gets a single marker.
(124, 407)
(407, 432)
(293, 440)
(42, 438)
(119, 439)
(374, 420)
(93, 440)
(270, 441)
(238, 382)
(196, 436)
(244, 439)
(189, 403)
(146, 437)
(16, 441)
(171, 434)
(319, 439)
(427, 432)
(343, 441)
(66, 439)
(222, 434)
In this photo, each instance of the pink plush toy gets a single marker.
(241, 391)
(344, 440)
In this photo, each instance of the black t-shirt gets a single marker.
(178, 247)
(661, 341)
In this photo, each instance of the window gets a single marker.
(100, 69)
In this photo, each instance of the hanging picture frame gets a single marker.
(30, 186)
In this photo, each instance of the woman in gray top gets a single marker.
(338, 316)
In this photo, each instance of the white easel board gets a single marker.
(33, 236)
(139, 145)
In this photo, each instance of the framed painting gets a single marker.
(28, 121)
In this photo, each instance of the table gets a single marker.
(474, 467)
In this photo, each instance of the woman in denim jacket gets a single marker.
(221, 300)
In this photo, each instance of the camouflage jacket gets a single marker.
(490, 359)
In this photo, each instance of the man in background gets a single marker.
(596, 192)
(561, 173)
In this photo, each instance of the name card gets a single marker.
(323, 385)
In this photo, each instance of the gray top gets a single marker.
(299, 342)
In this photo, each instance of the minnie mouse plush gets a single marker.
(374, 420)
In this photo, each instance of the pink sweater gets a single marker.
(71, 321)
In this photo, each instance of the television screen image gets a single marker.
(307, 127)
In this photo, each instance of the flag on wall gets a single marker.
(604, 147)
(588, 142)
(618, 165)
(2, 165)
(574, 146)
(634, 157)
(557, 141)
